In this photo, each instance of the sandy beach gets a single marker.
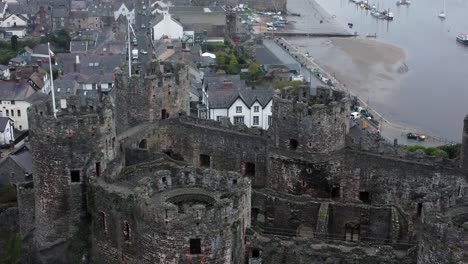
(369, 68)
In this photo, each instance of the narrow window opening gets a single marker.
(249, 169)
(205, 160)
(335, 193)
(255, 253)
(126, 231)
(98, 169)
(419, 211)
(164, 179)
(234, 181)
(164, 114)
(293, 144)
(364, 197)
(195, 246)
(75, 176)
(102, 221)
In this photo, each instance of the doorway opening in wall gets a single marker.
(205, 160)
(102, 221)
(98, 169)
(249, 169)
(75, 176)
(164, 114)
(142, 144)
(195, 246)
(365, 197)
(335, 192)
(293, 144)
(255, 253)
(419, 210)
(352, 232)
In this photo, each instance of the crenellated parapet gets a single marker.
(310, 123)
(176, 210)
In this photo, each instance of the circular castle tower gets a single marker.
(66, 151)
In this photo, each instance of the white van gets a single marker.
(355, 115)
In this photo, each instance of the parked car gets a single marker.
(355, 115)
(412, 136)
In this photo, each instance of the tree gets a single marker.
(14, 43)
(233, 59)
(255, 72)
(233, 67)
(220, 58)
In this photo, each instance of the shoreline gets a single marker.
(366, 68)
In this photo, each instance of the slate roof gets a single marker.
(105, 63)
(78, 45)
(189, 15)
(78, 4)
(100, 10)
(60, 12)
(89, 78)
(12, 90)
(3, 67)
(23, 158)
(30, 8)
(42, 48)
(2, 6)
(224, 90)
(37, 97)
(65, 87)
(18, 59)
(3, 123)
(224, 98)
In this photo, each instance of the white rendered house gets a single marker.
(166, 26)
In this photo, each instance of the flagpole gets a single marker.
(129, 53)
(52, 81)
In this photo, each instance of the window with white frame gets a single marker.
(269, 120)
(255, 120)
(238, 120)
(238, 109)
(257, 109)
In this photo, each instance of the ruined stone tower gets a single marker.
(66, 151)
(464, 150)
(159, 90)
(312, 124)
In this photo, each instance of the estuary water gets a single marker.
(434, 92)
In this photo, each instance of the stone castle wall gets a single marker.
(168, 205)
(65, 152)
(310, 124)
(158, 91)
(464, 151)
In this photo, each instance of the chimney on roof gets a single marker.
(227, 84)
(39, 63)
(35, 68)
(17, 79)
(77, 60)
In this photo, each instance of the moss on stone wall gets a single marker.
(10, 243)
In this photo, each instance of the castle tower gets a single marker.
(159, 90)
(67, 151)
(464, 149)
(312, 124)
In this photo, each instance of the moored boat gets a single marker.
(403, 2)
(463, 38)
